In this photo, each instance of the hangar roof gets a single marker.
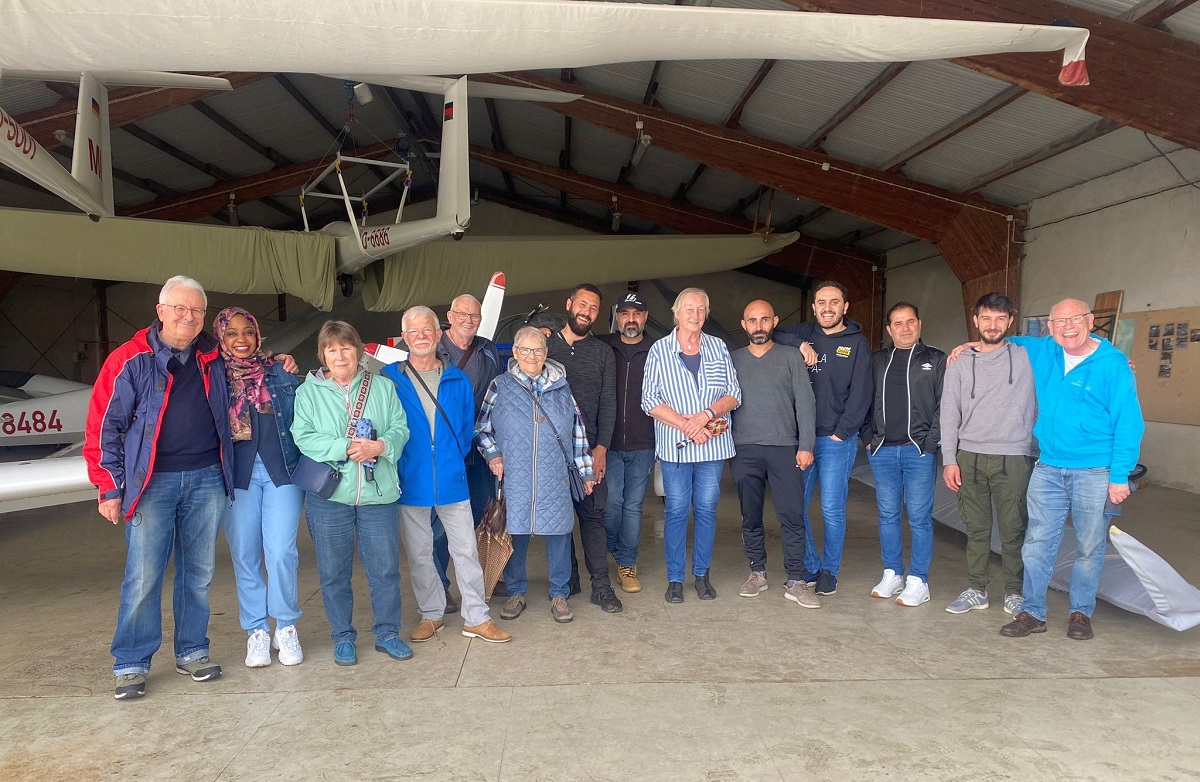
(963, 128)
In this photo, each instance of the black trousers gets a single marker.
(753, 468)
(590, 511)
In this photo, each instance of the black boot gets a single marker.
(674, 592)
(704, 589)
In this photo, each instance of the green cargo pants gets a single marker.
(1002, 480)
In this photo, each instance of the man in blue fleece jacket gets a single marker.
(1089, 427)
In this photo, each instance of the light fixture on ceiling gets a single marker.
(615, 221)
(641, 145)
(362, 93)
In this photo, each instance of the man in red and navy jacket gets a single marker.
(159, 450)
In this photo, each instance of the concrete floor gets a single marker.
(734, 689)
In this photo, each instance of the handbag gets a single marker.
(578, 492)
(321, 478)
(316, 477)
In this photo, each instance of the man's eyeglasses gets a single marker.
(1074, 320)
(530, 351)
(467, 315)
(419, 332)
(180, 311)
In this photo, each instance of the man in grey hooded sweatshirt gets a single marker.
(987, 414)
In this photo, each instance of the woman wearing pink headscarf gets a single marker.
(261, 526)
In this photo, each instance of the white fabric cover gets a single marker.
(418, 37)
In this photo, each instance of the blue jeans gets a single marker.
(905, 476)
(1055, 492)
(482, 487)
(628, 473)
(261, 530)
(832, 462)
(695, 487)
(333, 527)
(179, 510)
(558, 561)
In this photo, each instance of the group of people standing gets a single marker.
(182, 422)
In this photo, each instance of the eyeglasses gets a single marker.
(530, 351)
(468, 316)
(180, 311)
(428, 332)
(1074, 320)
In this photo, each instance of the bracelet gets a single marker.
(711, 413)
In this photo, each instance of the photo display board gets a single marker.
(1165, 349)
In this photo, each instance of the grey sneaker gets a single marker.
(1013, 603)
(130, 685)
(971, 598)
(755, 584)
(201, 670)
(802, 594)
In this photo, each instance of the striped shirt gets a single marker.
(668, 382)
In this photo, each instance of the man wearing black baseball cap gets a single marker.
(632, 454)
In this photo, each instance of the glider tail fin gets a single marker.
(454, 196)
(91, 160)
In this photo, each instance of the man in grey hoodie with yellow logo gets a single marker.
(987, 415)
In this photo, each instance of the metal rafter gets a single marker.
(734, 120)
(1140, 76)
(885, 77)
(498, 144)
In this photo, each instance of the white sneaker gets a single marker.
(915, 592)
(889, 586)
(288, 643)
(1013, 603)
(258, 649)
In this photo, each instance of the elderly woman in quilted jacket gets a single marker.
(531, 433)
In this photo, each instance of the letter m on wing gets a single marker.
(94, 158)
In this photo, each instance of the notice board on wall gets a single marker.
(1165, 348)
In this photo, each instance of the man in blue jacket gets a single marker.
(1089, 427)
(440, 406)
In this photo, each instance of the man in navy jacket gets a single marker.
(440, 406)
(159, 450)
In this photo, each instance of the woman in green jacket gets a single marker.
(364, 503)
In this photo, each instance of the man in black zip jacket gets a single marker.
(632, 454)
(841, 382)
(902, 441)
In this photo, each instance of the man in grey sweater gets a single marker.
(774, 431)
(988, 410)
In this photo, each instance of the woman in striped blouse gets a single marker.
(689, 388)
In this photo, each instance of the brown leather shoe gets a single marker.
(451, 603)
(487, 632)
(426, 629)
(560, 610)
(1079, 627)
(1023, 624)
(513, 607)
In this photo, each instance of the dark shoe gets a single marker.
(826, 583)
(1023, 624)
(1079, 627)
(607, 599)
(451, 603)
(513, 607)
(500, 590)
(674, 592)
(573, 586)
(201, 670)
(130, 685)
(704, 589)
